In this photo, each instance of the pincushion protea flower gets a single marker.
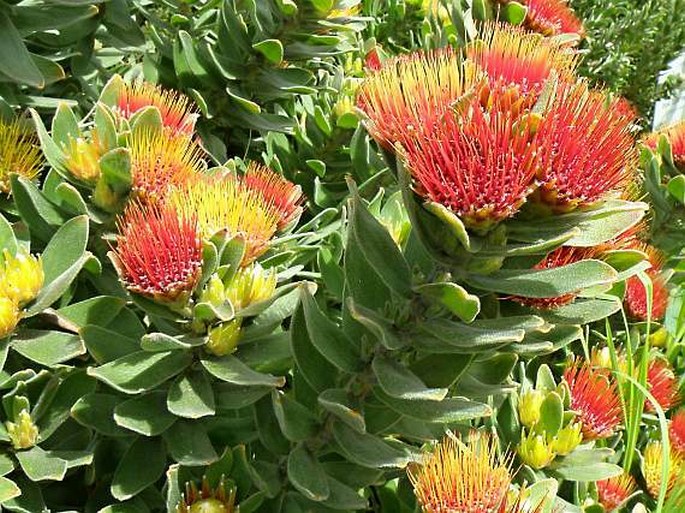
(19, 153)
(409, 94)
(662, 383)
(676, 137)
(178, 113)
(10, 314)
(677, 432)
(158, 252)
(480, 165)
(226, 204)
(635, 298)
(206, 500)
(459, 476)
(284, 196)
(21, 276)
(591, 148)
(652, 465)
(594, 396)
(552, 17)
(615, 491)
(160, 162)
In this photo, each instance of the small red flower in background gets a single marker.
(177, 111)
(662, 383)
(594, 396)
(614, 491)
(552, 17)
(591, 147)
(635, 298)
(676, 137)
(372, 60)
(158, 253)
(283, 195)
(677, 432)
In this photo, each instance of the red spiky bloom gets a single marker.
(635, 298)
(479, 164)
(158, 253)
(284, 196)
(561, 256)
(676, 432)
(594, 396)
(615, 491)
(591, 148)
(177, 111)
(372, 60)
(676, 137)
(662, 383)
(552, 17)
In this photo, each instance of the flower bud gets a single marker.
(21, 277)
(529, 407)
(213, 292)
(9, 316)
(82, 159)
(251, 285)
(223, 339)
(23, 432)
(206, 500)
(567, 439)
(659, 338)
(534, 451)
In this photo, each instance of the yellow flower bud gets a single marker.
(23, 432)
(213, 292)
(21, 277)
(251, 285)
(529, 407)
(9, 316)
(567, 439)
(534, 450)
(223, 339)
(82, 159)
(659, 338)
(601, 357)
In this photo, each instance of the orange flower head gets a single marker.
(19, 153)
(615, 491)
(635, 298)
(677, 432)
(160, 162)
(158, 252)
(458, 476)
(676, 137)
(653, 461)
(662, 383)
(594, 396)
(284, 196)
(590, 148)
(177, 111)
(227, 204)
(552, 17)
(409, 94)
(481, 165)
(516, 59)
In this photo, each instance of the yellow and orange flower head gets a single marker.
(662, 383)
(595, 399)
(478, 164)
(635, 298)
(177, 111)
(160, 162)
(283, 196)
(21, 276)
(590, 148)
(518, 60)
(408, 95)
(552, 17)
(158, 252)
(206, 500)
(676, 432)
(226, 204)
(652, 464)
(19, 153)
(462, 476)
(614, 491)
(676, 137)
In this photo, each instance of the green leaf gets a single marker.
(368, 450)
(156, 342)
(96, 411)
(316, 370)
(15, 59)
(142, 465)
(401, 383)
(453, 297)
(231, 370)
(337, 402)
(8, 240)
(383, 329)
(41, 216)
(39, 465)
(64, 125)
(115, 166)
(146, 415)
(48, 348)
(272, 49)
(306, 475)
(52, 152)
(676, 188)
(583, 311)
(342, 497)
(75, 385)
(587, 472)
(551, 415)
(191, 396)
(141, 371)
(447, 336)
(296, 421)
(8, 490)
(30, 500)
(107, 345)
(189, 444)
(514, 13)
(99, 310)
(449, 410)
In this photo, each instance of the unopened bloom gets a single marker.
(552, 17)
(594, 396)
(652, 466)
(158, 252)
(529, 407)
(82, 158)
(567, 439)
(662, 383)
(535, 451)
(223, 339)
(676, 138)
(635, 299)
(590, 149)
(177, 112)
(23, 433)
(21, 276)
(459, 476)
(19, 153)
(250, 285)
(284, 196)
(9, 316)
(676, 432)
(206, 500)
(615, 491)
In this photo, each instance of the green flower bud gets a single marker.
(529, 407)
(223, 339)
(567, 439)
(23, 432)
(534, 450)
(214, 291)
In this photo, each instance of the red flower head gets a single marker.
(409, 94)
(677, 432)
(676, 137)
(591, 148)
(160, 162)
(552, 17)
(372, 60)
(635, 298)
(178, 113)
(594, 396)
(615, 491)
(158, 253)
(479, 165)
(284, 196)
(662, 383)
